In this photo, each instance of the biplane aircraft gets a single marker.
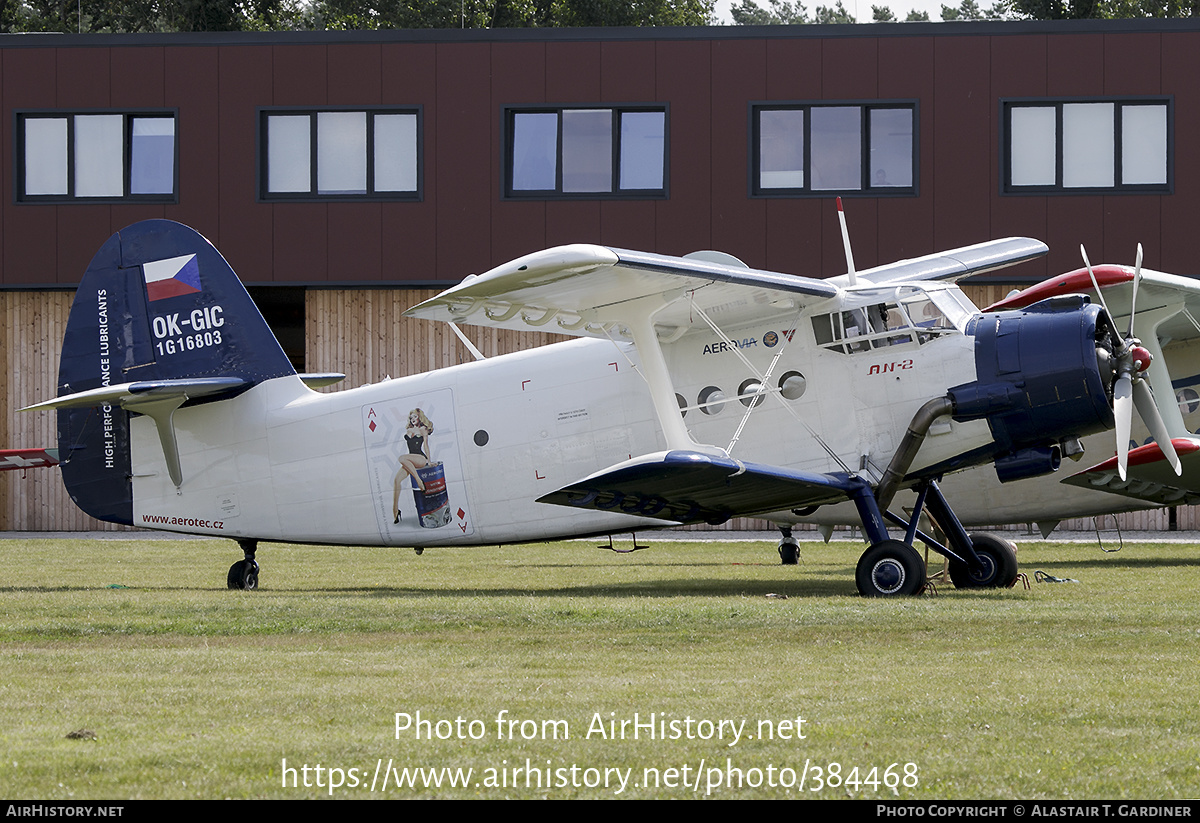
(698, 390)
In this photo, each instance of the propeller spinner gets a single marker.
(1131, 389)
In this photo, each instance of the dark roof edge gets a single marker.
(716, 33)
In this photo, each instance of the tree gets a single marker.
(882, 14)
(1152, 8)
(122, 16)
(781, 13)
(968, 10)
(1057, 9)
(838, 14)
(128, 16)
(479, 14)
(915, 16)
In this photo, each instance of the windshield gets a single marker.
(899, 316)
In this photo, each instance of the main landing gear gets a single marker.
(893, 568)
(244, 573)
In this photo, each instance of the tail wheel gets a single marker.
(890, 569)
(999, 564)
(789, 551)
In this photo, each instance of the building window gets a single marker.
(1086, 146)
(586, 152)
(97, 157)
(371, 154)
(802, 149)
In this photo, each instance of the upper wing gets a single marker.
(958, 263)
(580, 290)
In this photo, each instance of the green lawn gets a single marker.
(1077, 690)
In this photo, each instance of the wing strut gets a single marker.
(658, 377)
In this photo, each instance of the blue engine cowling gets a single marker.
(1044, 375)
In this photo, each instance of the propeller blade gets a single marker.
(1137, 278)
(1143, 399)
(1099, 294)
(1123, 411)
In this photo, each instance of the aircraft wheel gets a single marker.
(890, 569)
(243, 575)
(789, 551)
(999, 559)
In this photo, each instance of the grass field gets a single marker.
(1083, 690)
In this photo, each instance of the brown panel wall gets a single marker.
(738, 75)
(364, 335)
(906, 72)
(963, 122)
(190, 85)
(1180, 68)
(467, 135)
(244, 231)
(849, 71)
(463, 224)
(628, 75)
(683, 78)
(518, 78)
(408, 231)
(794, 235)
(1018, 69)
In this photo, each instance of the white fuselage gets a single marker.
(283, 462)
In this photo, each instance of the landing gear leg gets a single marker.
(889, 568)
(789, 547)
(978, 560)
(244, 573)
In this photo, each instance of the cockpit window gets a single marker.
(906, 315)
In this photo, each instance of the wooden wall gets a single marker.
(362, 334)
(31, 337)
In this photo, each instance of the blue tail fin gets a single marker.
(158, 302)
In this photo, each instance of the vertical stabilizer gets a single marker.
(157, 302)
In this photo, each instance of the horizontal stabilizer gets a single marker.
(130, 395)
(27, 458)
(1150, 477)
(157, 399)
(322, 379)
(692, 487)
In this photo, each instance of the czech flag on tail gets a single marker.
(172, 277)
